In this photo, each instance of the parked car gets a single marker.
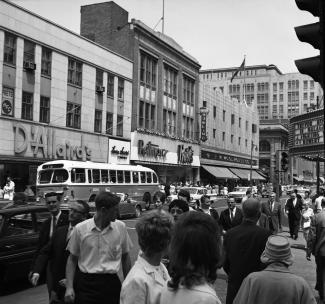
(238, 193)
(19, 231)
(128, 207)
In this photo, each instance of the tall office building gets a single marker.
(277, 95)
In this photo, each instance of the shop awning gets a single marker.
(245, 174)
(220, 172)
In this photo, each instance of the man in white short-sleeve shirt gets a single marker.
(98, 247)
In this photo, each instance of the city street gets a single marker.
(301, 266)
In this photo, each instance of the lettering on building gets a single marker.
(309, 132)
(227, 158)
(204, 127)
(122, 154)
(184, 155)
(42, 141)
(151, 150)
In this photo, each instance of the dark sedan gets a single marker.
(19, 229)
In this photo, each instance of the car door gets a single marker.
(18, 242)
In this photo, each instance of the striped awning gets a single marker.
(220, 172)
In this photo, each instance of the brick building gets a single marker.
(165, 91)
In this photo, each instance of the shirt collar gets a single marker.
(94, 227)
(278, 267)
(57, 216)
(151, 270)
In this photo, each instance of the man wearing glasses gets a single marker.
(56, 219)
(56, 254)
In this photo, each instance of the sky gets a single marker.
(218, 33)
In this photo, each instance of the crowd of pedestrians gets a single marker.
(181, 251)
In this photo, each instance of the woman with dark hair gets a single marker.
(195, 256)
(159, 199)
(148, 276)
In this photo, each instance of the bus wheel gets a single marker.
(138, 211)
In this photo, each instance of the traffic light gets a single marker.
(284, 161)
(314, 35)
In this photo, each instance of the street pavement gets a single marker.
(301, 267)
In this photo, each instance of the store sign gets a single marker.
(308, 132)
(43, 140)
(227, 158)
(184, 155)
(204, 127)
(119, 151)
(7, 105)
(151, 150)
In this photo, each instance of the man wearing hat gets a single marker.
(230, 217)
(275, 284)
(184, 195)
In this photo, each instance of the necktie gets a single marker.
(271, 205)
(231, 215)
(53, 225)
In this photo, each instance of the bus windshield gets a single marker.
(54, 176)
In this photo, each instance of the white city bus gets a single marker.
(84, 180)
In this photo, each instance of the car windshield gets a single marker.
(54, 176)
(191, 190)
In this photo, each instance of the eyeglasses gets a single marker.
(176, 211)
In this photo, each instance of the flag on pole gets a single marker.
(241, 68)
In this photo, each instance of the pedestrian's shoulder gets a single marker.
(84, 224)
(118, 224)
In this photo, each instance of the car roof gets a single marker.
(22, 209)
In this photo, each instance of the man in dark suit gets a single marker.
(243, 247)
(316, 245)
(293, 208)
(231, 216)
(205, 206)
(57, 219)
(272, 210)
(55, 251)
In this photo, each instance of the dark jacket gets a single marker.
(225, 222)
(243, 247)
(294, 211)
(44, 235)
(56, 254)
(274, 216)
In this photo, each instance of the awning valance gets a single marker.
(245, 174)
(220, 172)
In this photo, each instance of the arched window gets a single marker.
(265, 146)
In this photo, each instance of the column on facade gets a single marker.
(37, 87)
(2, 44)
(19, 77)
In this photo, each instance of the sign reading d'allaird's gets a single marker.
(44, 143)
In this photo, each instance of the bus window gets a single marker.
(45, 176)
(104, 175)
(112, 175)
(90, 176)
(149, 180)
(135, 177)
(60, 176)
(96, 176)
(127, 177)
(120, 178)
(143, 177)
(155, 178)
(78, 175)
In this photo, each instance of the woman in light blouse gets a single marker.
(148, 276)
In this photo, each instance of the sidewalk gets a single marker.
(301, 267)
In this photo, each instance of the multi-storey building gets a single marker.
(277, 95)
(62, 96)
(165, 91)
(230, 150)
